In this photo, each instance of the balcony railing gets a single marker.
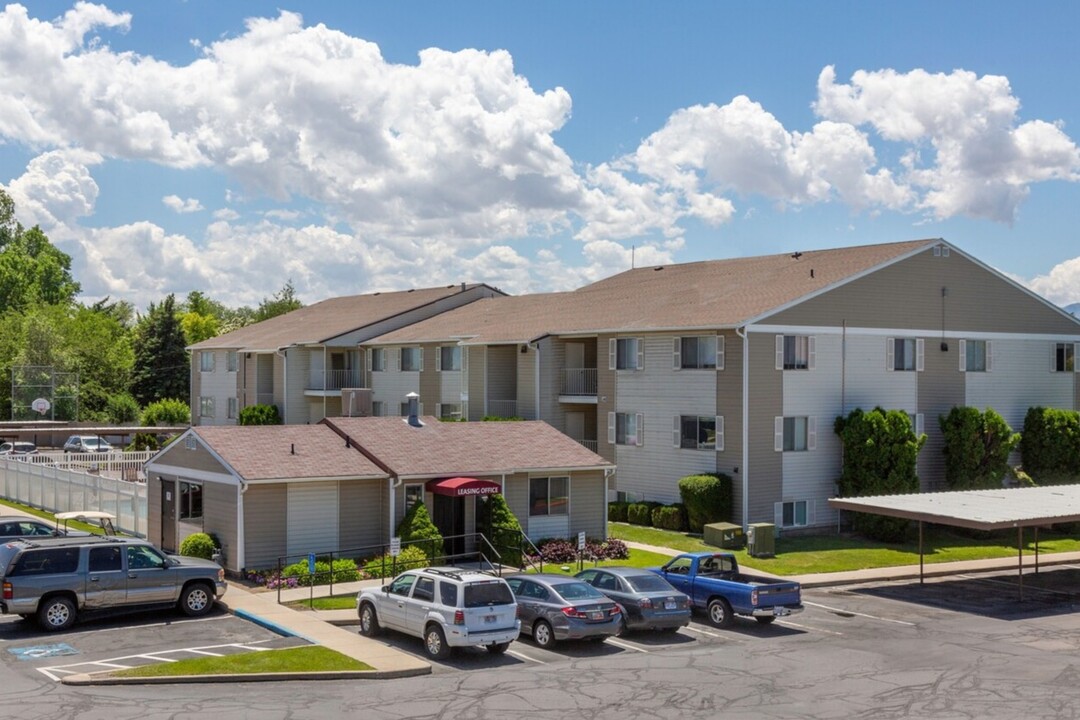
(333, 379)
(591, 444)
(579, 381)
(502, 408)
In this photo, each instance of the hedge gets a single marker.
(641, 513)
(616, 511)
(410, 558)
(670, 517)
(707, 499)
(977, 447)
(1050, 446)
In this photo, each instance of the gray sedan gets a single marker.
(648, 601)
(556, 607)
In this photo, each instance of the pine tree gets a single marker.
(418, 529)
(161, 367)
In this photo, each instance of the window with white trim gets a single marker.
(206, 361)
(626, 354)
(976, 356)
(448, 411)
(696, 432)
(904, 354)
(414, 493)
(796, 352)
(626, 428)
(793, 514)
(448, 357)
(231, 408)
(206, 407)
(412, 360)
(795, 434)
(701, 352)
(232, 361)
(1063, 357)
(377, 359)
(549, 496)
(378, 408)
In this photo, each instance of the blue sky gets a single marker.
(229, 147)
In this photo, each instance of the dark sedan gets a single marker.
(556, 607)
(648, 601)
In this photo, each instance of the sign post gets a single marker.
(395, 550)
(581, 550)
(311, 585)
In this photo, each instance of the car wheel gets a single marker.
(669, 630)
(765, 619)
(498, 648)
(542, 634)
(435, 643)
(369, 621)
(623, 629)
(720, 613)
(56, 613)
(196, 600)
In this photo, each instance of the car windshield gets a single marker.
(577, 591)
(649, 583)
(93, 442)
(479, 594)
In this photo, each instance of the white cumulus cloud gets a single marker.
(180, 205)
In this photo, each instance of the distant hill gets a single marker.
(1074, 309)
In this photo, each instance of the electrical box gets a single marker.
(761, 540)
(724, 535)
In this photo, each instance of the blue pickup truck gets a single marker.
(714, 584)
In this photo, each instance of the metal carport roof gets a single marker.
(978, 509)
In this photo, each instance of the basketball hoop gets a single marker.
(40, 406)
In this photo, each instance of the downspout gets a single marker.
(745, 336)
(536, 367)
(285, 383)
(395, 483)
(241, 555)
(324, 371)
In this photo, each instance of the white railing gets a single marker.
(502, 408)
(333, 379)
(65, 486)
(591, 444)
(579, 381)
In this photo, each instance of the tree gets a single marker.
(417, 528)
(284, 301)
(260, 415)
(161, 362)
(32, 271)
(977, 447)
(166, 412)
(198, 327)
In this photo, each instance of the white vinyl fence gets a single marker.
(87, 481)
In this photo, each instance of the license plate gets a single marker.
(780, 611)
(596, 615)
(670, 605)
(490, 618)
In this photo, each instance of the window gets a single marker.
(448, 594)
(705, 352)
(795, 352)
(142, 557)
(411, 359)
(189, 442)
(795, 434)
(976, 356)
(402, 585)
(679, 566)
(231, 361)
(43, 562)
(549, 496)
(206, 407)
(626, 354)
(626, 429)
(904, 354)
(425, 589)
(191, 501)
(448, 411)
(414, 493)
(232, 408)
(378, 408)
(1063, 357)
(206, 361)
(377, 359)
(794, 513)
(105, 559)
(699, 433)
(449, 358)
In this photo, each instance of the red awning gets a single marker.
(463, 487)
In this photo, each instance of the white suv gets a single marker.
(446, 607)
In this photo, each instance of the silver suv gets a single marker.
(55, 579)
(446, 607)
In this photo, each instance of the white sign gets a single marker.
(395, 546)
(581, 540)
(40, 406)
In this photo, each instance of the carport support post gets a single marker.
(1020, 559)
(920, 554)
(1036, 549)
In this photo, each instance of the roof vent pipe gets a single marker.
(292, 448)
(414, 405)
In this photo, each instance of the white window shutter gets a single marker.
(778, 514)
(367, 354)
(719, 433)
(963, 356)
(611, 353)
(779, 352)
(989, 356)
(811, 433)
(438, 410)
(890, 354)
(676, 432)
(640, 417)
(438, 358)
(811, 344)
(676, 353)
(719, 352)
(920, 355)
(778, 432)
(1053, 357)
(641, 353)
(611, 428)
(421, 354)
(920, 424)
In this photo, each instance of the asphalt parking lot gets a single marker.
(129, 640)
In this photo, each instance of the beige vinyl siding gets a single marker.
(278, 380)
(729, 404)
(312, 519)
(429, 380)
(516, 492)
(766, 465)
(552, 363)
(265, 508)
(299, 367)
(907, 294)
(219, 518)
(248, 379)
(196, 388)
(153, 507)
(941, 387)
(477, 383)
(867, 383)
(178, 455)
(391, 385)
(588, 504)
(605, 403)
(525, 372)
(449, 384)
(361, 521)
(501, 376)
(268, 380)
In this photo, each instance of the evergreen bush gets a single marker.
(707, 499)
(977, 447)
(416, 528)
(198, 545)
(502, 529)
(641, 513)
(670, 517)
(167, 412)
(344, 570)
(616, 511)
(260, 415)
(1050, 445)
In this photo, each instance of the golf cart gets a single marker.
(101, 519)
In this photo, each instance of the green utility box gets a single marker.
(724, 534)
(761, 540)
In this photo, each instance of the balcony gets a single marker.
(502, 408)
(590, 444)
(332, 381)
(579, 385)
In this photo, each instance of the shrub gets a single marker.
(344, 570)
(641, 513)
(610, 549)
(616, 511)
(122, 408)
(143, 441)
(977, 447)
(503, 530)
(416, 528)
(199, 545)
(260, 415)
(411, 557)
(670, 517)
(167, 412)
(557, 550)
(707, 499)
(1050, 446)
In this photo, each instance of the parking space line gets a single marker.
(127, 628)
(787, 623)
(158, 659)
(852, 612)
(113, 662)
(1027, 588)
(624, 645)
(109, 664)
(693, 629)
(526, 658)
(211, 654)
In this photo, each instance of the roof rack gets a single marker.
(447, 572)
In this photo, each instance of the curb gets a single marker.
(933, 570)
(269, 625)
(105, 679)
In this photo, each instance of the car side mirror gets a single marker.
(385, 588)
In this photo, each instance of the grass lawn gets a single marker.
(302, 659)
(330, 602)
(837, 553)
(44, 515)
(638, 558)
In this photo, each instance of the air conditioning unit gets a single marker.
(761, 540)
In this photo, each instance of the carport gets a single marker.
(978, 509)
